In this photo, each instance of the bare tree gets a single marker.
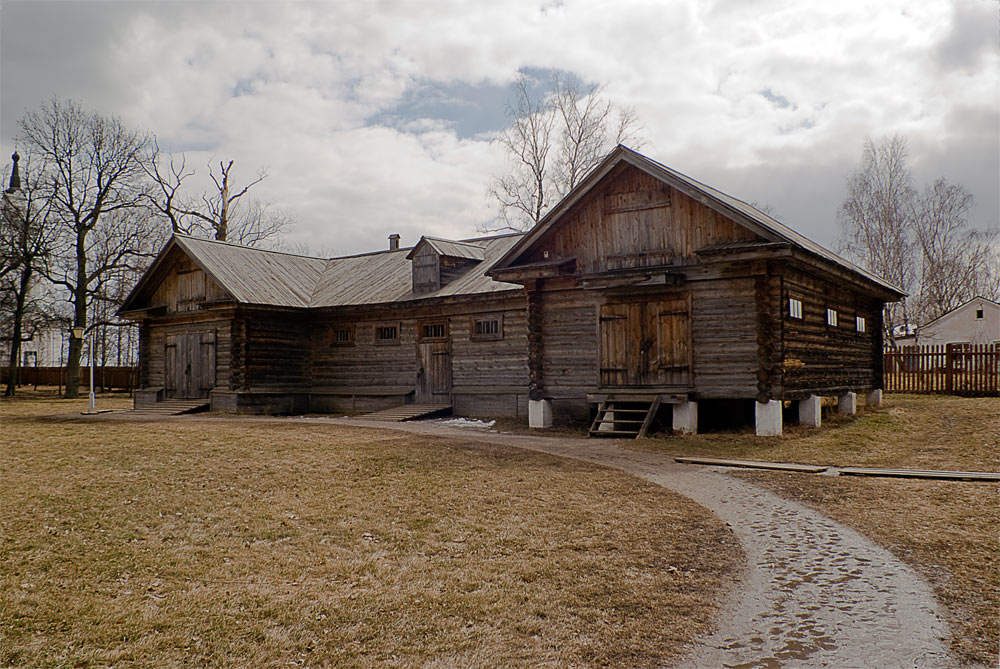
(954, 259)
(220, 213)
(876, 220)
(923, 242)
(93, 168)
(26, 235)
(552, 143)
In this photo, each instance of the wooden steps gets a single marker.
(624, 418)
(409, 412)
(175, 407)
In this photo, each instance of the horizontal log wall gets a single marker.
(276, 350)
(724, 333)
(489, 376)
(153, 340)
(823, 359)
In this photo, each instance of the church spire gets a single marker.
(15, 176)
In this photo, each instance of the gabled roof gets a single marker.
(977, 299)
(449, 248)
(259, 277)
(737, 210)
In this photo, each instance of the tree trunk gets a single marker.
(15, 338)
(79, 319)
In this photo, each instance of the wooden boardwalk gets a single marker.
(409, 412)
(944, 475)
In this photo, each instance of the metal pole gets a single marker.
(92, 402)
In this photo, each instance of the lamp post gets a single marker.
(78, 333)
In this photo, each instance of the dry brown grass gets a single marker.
(233, 544)
(948, 531)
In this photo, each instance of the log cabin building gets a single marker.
(643, 293)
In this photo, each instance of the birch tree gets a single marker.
(552, 143)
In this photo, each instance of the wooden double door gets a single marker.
(190, 365)
(646, 343)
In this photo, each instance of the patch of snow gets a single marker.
(465, 422)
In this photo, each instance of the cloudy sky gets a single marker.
(376, 117)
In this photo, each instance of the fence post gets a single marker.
(949, 359)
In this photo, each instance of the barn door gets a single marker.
(434, 364)
(645, 343)
(190, 365)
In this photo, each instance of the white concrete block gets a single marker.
(768, 418)
(540, 413)
(686, 418)
(811, 411)
(608, 424)
(847, 404)
(874, 399)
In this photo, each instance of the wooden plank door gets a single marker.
(170, 368)
(614, 344)
(190, 365)
(433, 364)
(645, 344)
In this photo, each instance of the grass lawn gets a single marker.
(250, 544)
(948, 530)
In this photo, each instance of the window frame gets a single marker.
(426, 324)
(349, 329)
(860, 324)
(795, 309)
(832, 318)
(386, 341)
(486, 336)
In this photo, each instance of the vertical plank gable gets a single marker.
(635, 220)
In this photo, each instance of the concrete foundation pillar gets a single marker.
(540, 413)
(874, 399)
(811, 411)
(608, 424)
(686, 418)
(847, 404)
(768, 418)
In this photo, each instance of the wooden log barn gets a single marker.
(643, 295)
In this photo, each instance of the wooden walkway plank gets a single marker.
(920, 474)
(753, 464)
(408, 412)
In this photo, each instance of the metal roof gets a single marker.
(450, 248)
(256, 276)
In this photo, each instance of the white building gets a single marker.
(974, 322)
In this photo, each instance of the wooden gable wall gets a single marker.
(635, 220)
(184, 287)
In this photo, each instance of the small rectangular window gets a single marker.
(860, 323)
(979, 314)
(831, 317)
(433, 331)
(794, 308)
(343, 336)
(387, 334)
(487, 328)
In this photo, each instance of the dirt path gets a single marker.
(816, 593)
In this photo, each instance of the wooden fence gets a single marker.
(105, 378)
(953, 369)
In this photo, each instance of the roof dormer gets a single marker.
(438, 262)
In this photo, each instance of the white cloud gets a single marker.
(293, 86)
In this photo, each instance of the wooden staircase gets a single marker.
(624, 418)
